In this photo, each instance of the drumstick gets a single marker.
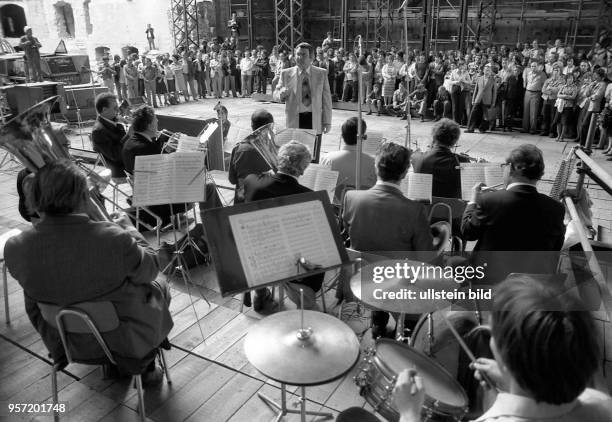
(468, 352)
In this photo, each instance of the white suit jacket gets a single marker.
(319, 91)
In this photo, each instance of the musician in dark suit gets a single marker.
(515, 219)
(441, 162)
(52, 265)
(108, 134)
(293, 159)
(381, 220)
(245, 159)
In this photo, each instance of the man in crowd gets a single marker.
(515, 219)
(31, 48)
(533, 82)
(305, 90)
(381, 220)
(344, 160)
(483, 98)
(51, 264)
(108, 134)
(293, 159)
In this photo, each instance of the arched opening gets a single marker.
(64, 19)
(13, 20)
(88, 24)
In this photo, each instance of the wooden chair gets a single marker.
(90, 318)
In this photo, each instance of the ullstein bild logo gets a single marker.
(412, 273)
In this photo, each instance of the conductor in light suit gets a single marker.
(305, 90)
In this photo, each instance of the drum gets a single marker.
(445, 399)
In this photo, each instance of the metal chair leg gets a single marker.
(141, 406)
(54, 392)
(5, 286)
(162, 358)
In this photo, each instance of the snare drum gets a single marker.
(445, 400)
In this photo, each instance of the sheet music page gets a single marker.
(169, 178)
(471, 174)
(319, 177)
(301, 135)
(270, 241)
(419, 186)
(208, 131)
(494, 174)
(371, 144)
(187, 143)
(235, 135)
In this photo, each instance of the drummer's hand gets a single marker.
(409, 395)
(491, 368)
(476, 190)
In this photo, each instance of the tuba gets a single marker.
(30, 138)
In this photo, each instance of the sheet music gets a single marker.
(188, 143)
(208, 131)
(473, 173)
(417, 186)
(271, 241)
(169, 178)
(319, 177)
(301, 135)
(372, 143)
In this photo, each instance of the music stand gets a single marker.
(254, 243)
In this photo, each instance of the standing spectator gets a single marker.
(435, 78)
(594, 101)
(117, 65)
(216, 75)
(177, 69)
(339, 71)
(149, 74)
(533, 82)
(511, 99)
(203, 75)
(351, 70)
(31, 46)
(160, 85)
(484, 96)
(228, 65)
(246, 72)
(150, 37)
(564, 106)
(107, 74)
(189, 75)
(328, 42)
(367, 75)
(460, 83)
(131, 78)
(549, 97)
(170, 83)
(263, 70)
(388, 74)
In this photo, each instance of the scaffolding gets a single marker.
(289, 23)
(242, 9)
(185, 28)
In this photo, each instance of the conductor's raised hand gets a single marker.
(409, 395)
(490, 367)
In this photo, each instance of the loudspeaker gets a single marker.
(186, 125)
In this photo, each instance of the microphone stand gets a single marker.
(359, 117)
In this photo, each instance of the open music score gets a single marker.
(490, 174)
(303, 136)
(372, 142)
(320, 178)
(187, 143)
(417, 186)
(269, 241)
(169, 178)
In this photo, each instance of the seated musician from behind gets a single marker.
(69, 258)
(546, 354)
(108, 134)
(245, 159)
(381, 220)
(515, 219)
(441, 162)
(344, 161)
(293, 159)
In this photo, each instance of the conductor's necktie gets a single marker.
(306, 100)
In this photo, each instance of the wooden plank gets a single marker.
(227, 400)
(254, 409)
(347, 393)
(123, 414)
(19, 380)
(222, 339)
(191, 337)
(185, 318)
(189, 398)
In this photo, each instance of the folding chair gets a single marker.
(90, 318)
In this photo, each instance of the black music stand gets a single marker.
(251, 248)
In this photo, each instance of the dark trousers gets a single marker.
(442, 109)
(477, 117)
(584, 128)
(339, 84)
(508, 112)
(305, 122)
(350, 91)
(141, 87)
(457, 104)
(548, 112)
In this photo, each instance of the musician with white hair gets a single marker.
(293, 159)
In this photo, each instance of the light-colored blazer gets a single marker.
(320, 94)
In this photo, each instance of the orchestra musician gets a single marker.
(108, 134)
(546, 354)
(293, 159)
(52, 265)
(441, 162)
(517, 218)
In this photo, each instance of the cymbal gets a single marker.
(272, 346)
(408, 294)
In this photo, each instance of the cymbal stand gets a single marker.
(303, 334)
